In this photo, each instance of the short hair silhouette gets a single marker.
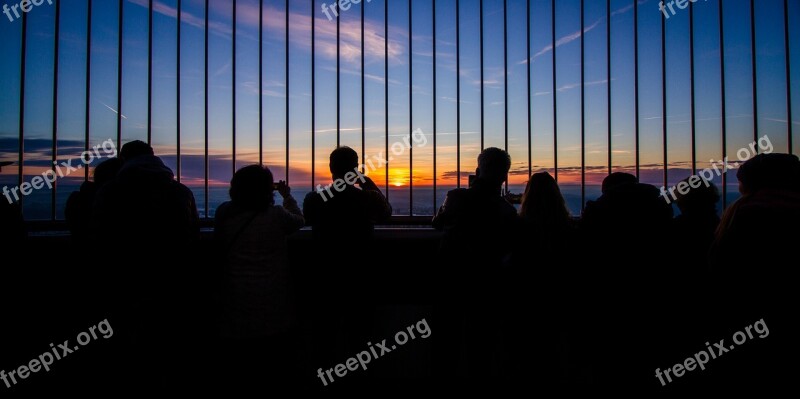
(617, 179)
(343, 160)
(769, 171)
(494, 164)
(135, 149)
(107, 171)
(252, 188)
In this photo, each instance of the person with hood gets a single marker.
(78, 210)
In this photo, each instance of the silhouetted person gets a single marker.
(540, 283)
(478, 221)
(754, 259)
(624, 246)
(78, 212)
(544, 211)
(611, 181)
(342, 217)
(257, 297)
(148, 222)
(478, 225)
(695, 227)
(12, 226)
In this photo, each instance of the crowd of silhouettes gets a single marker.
(528, 294)
(605, 299)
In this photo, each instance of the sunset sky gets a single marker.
(103, 107)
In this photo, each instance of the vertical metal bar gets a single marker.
(338, 83)
(664, 99)
(789, 126)
(608, 81)
(149, 73)
(435, 103)
(636, 82)
(53, 155)
(723, 104)
(261, 80)
(555, 90)
(363, 95)
(119, 74)
(482, 78)
(313, 95)
(233, 91)
(755, 74)
(530, 114)
(287, 88)
(386, 85)
(692, 89)
(178, 93)
(205, 114)
(458, 93)
(88, 93)
(505, 74)
(583, 109)
(410, 107)
(22, 67)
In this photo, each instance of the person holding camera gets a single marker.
(256, 297)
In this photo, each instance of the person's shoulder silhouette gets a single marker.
(79, 205)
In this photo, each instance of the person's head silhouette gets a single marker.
(701, 199)
(252, 188)
(617, 179)
(769, 171)
(342, 161)
(135, 149)
(493, 166)
(542, 199)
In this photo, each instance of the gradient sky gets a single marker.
(71, 80)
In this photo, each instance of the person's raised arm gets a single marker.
(292, 219)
